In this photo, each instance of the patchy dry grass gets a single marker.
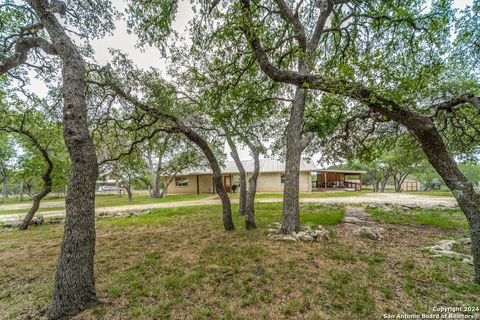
(179, 264)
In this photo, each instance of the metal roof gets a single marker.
(266, 165)
(341, 171)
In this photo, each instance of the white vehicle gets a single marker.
(108, 188)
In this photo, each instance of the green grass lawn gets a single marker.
(179, 263)
(113, 200)
(109, 199)
(440, 218)
(28, 199)
(103, 201)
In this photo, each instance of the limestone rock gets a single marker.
(446, 244)
(320, 233)
(371, 233)
(288, 238)
(352, 220)
(464, 241)
(306, 227)
(304, 237)
(11, 224)
(306, 233)
(38, 220)
(444, 249)
(54, 220)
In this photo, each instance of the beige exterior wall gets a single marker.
(206, 183)
(305, 182)
(271, 182)
(190, 189)
(267, 182)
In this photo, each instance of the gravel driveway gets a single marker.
(378, 198)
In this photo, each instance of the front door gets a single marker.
(227, 183)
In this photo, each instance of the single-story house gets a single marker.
(270, 179)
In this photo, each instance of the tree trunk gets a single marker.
(4, 188)
(21, 190)
(395, 182)
(437, 154)
(180, 127)
(165, 187)
(243, 179)
(383, 184)
(291, 206)
(129, 192)
(151, 184)
(47, 181)
(217, 173)
(74, 287)
(156, 185)
(420, 126)
(252, 190)
(398, 181)
(156, 191)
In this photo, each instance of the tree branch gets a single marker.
(22, 48)
(450, 105)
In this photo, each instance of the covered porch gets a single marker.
(325, 180)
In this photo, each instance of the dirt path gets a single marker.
(384, 198)
(357, 215)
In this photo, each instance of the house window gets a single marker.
(282, 178)
(181, 181)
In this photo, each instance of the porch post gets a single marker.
(325, 175)
(198, 186)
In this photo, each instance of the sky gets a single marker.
(151, 57)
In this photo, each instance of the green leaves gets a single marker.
(152, 21)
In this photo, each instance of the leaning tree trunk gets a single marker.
(165, 187)
(47, 181)
(242, 173)
(191, 135)
(128, 189)
(217, 173)
(74, 287)
(252, 190)
(437, 154)
(35, 205)
(383, 184)
(291, 206)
